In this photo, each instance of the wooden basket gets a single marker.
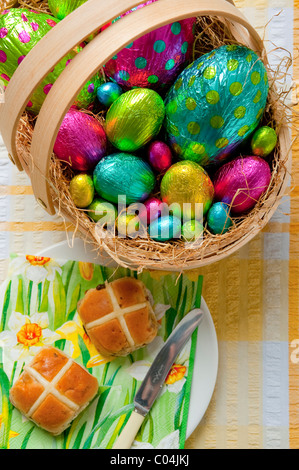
(89, 18)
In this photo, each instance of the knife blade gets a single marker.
(156, 376)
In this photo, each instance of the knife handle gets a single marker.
(128, 434)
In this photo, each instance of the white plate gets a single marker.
(206, 358)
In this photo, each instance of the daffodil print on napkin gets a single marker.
(38, 307)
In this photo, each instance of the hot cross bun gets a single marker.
(118, 317)
(52, 390)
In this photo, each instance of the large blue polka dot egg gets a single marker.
(216, 103)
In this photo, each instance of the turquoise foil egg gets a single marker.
(215, 104)
(123, 175)
(165, 228)
(219, 220)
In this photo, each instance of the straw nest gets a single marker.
(143, 253)
(7, 4)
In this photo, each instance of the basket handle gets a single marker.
(101, 49)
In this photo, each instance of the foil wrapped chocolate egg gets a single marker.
(187, 184)
(128, 225)
(20, 31)
(241, 182)
(82, 190)
(88, 93)
(264, 141)
(159, 156)
(99, 209)
(61, 8)
(165, 228)
(81, 141)
(108, 93)
(124, 176)
(154, 60)
(152, 209)
(218, 218)
(215, 104)
(192, 230)
(134, 119)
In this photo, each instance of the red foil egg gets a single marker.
(81, 141)
(152, 209)
(241, 182)
(160, 156)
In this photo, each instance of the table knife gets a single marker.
(156, 376)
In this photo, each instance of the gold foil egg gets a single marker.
(134, 119)
(82, 190)
(187, 184)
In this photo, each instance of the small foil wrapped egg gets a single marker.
(82, 190)
(264, 141)
(187, 184)
(134, 119)
(152, 209)
(241, 182)
(100, 208)
(218, 218)
(108, 93)
(192, 230)
(215, 104)
(159, 156)
(154, 60)
(123, 175)
(81, 141)
(165, 228)
(128, 225)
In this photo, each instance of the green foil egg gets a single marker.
(216, 103)
(134, 119)
(264, 141)
(61, 8)
(192, 230)
(123, 175)
(100, 208)
(20, 31)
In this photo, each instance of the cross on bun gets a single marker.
(52, 390)
(118, 317)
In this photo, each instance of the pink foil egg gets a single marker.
(160, 156)
(152, 209)
(81, 141)
(154, 60)
(241, 182)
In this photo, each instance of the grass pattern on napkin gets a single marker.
(38, 304)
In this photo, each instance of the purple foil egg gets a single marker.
(160, 156)
(156, 59)
(241, 182)
(81, 141)
(152, 209)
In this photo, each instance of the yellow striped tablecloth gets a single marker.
(253, 296)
